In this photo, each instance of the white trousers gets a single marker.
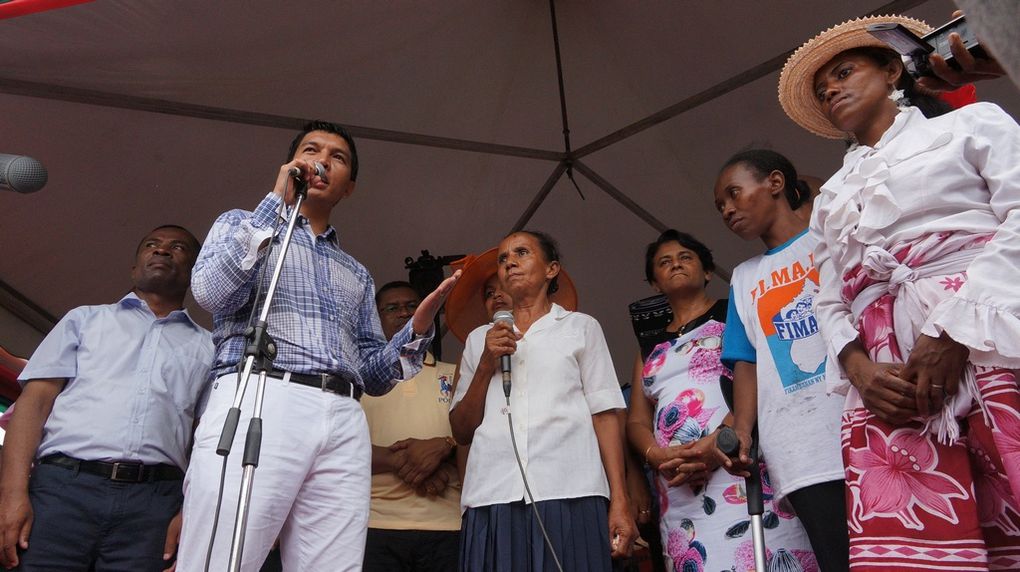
(311, 488)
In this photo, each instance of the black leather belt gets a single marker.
(121, 472)
(325, 381)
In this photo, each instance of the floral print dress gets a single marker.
(706, 528)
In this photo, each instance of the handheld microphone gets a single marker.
(506, 317)
(728, 442)
(21, 174)
(320, 171)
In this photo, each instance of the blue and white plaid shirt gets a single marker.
(323, 317)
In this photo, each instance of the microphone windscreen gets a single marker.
(504, 316)
(21, 174)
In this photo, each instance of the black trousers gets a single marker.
(821, 509)
(411, 550)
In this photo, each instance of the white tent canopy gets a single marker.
(151, 112)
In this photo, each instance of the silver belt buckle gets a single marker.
(325, 378)
(336, 390)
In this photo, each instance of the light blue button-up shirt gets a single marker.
(133, 383)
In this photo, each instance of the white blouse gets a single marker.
(956, 172)
(562, 375)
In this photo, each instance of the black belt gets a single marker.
(325, 381)
(120, 472)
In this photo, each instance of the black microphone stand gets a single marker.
(259, 354)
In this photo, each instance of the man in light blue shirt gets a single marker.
(107, 410)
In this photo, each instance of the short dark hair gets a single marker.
(393, 286)
(328, 127)
(191, 237)
(685, 240)
(550, 250)
(763, 162)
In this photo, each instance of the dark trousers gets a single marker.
(411, 550)
(273, 563)
(85, 522)
(821, 509)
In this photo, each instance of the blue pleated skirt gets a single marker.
(506, 537)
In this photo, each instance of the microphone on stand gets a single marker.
(506, 317)
(298, 174)
(21, 174)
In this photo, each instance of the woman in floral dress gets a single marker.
(674, 421)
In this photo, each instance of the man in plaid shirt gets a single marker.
(312, 486)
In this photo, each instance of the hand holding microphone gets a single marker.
(296, 175)
(317, 171)
(501, 341)
(737, 450)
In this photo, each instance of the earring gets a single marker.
(851, 142)
(899, 98)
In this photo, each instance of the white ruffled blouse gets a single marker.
(956, 172)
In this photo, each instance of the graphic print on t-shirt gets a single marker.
(788, 321)
(445, 389)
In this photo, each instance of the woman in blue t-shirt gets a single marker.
(772, 344)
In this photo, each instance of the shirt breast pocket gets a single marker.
(181, 381)
(565, 353)
(343, 291)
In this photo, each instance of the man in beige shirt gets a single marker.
(414, 520)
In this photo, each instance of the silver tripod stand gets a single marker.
(259, 353)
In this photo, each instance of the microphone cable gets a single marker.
(259, 280)
(527, 489)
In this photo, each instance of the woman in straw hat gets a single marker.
(562, 404)
(676, 415)
(918, 256)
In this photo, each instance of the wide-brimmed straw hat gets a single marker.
(465, 306)
(796, 82)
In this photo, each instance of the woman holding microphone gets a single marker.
(562, 406)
